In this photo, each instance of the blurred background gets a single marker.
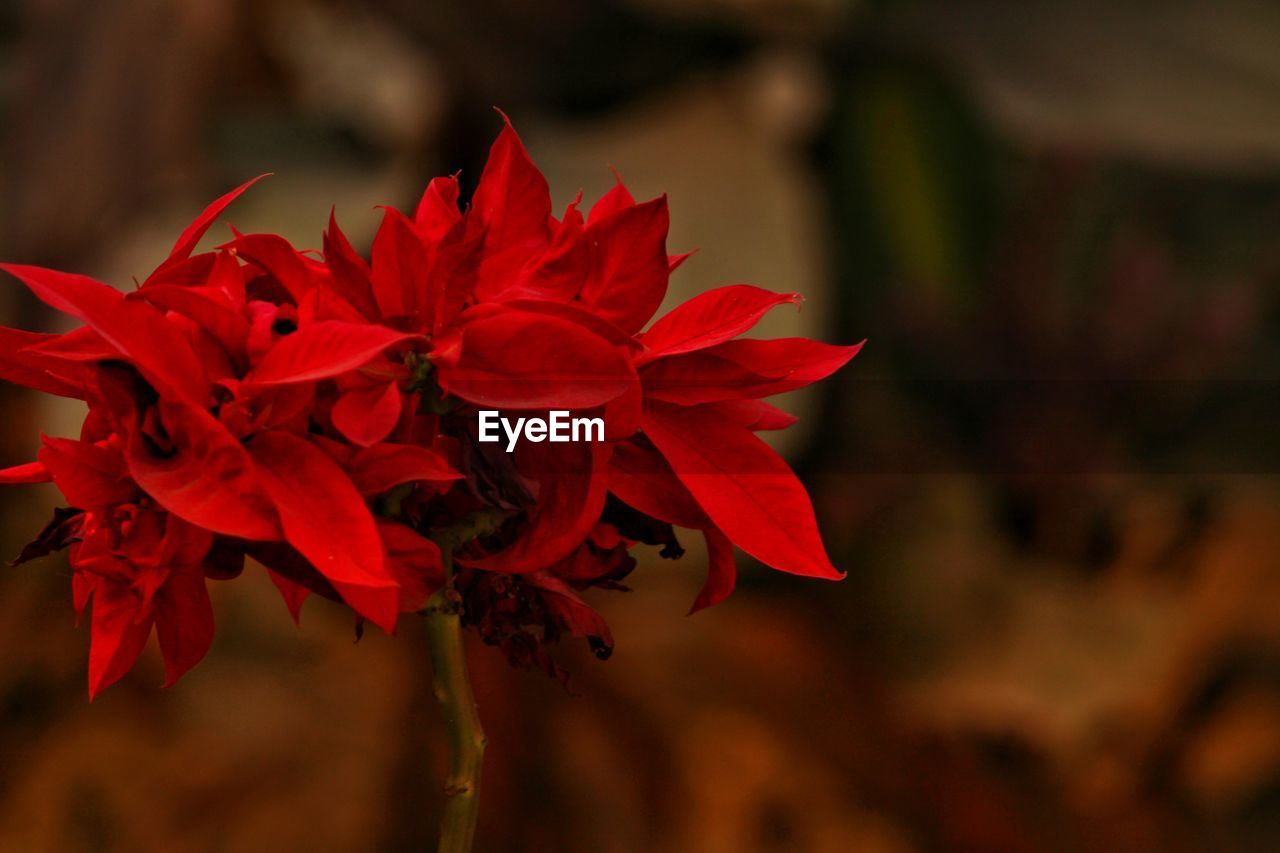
(1051, 474)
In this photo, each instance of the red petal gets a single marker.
(184, 622)
(558, 272)
(82, 587)
(348, 270)
(574, 312)
(711, 318)
(674, 262)
(641, 478)
(294, 594)
(510, 213)
(324, 303)
(328, 522)
(722, 571)
(399, 270)
(78, 345)
(616, 200)
(90, 477)
(415, 561)
(454, 273)
(755, 415)
(743, 485)
(30, 472)
(629, 270)
(208, 479)
(195, 271)
(382, 467)
(274, 255)
(743, 369)
(191, 236)
(793, 362)
(523, 360)
(214, 354)
(623, 415)
(227, 275)
(512, 201)
(215, 316)
(700, 377)
(117, 635)
(438, 209)
(32, 369)
(322, 350)
(367, 415)
(137, 331)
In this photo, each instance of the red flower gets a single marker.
(320, 417)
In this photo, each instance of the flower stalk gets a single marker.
(465, 737)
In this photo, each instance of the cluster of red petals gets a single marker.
(316, 412)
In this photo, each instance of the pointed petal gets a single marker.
(328, 522)
(399, 269)
(90, 477)
(557, 273)
(722, 571)
(82, 587)
(294, 594)
(525, 360)
(455, 270)
(323, 350)
(30, 472)
(21, 366)
(792, 362)
(674, 262)
(623, 415)
(367, 415)
(191, 235)
(629, 269)
(286, 564)
(755, 415)
(194, 271)
(382, 467)
(275, 256)
(743, 369)
(184, 622)
(137, 330)
(227, 276)
(574, 312)
(743, 485)
(438, 209)
(415, 561)
(227, 326)
(72, 294)
(641, 478)
(208, 479)
(711, 318)
(349, 271)
(78, 345)
(700, 377)
(117, 635)
(616, 200)
(512, 202)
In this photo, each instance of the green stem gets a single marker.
(462, 722)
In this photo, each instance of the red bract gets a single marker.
(320, 417)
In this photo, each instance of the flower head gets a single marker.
(318, 415)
